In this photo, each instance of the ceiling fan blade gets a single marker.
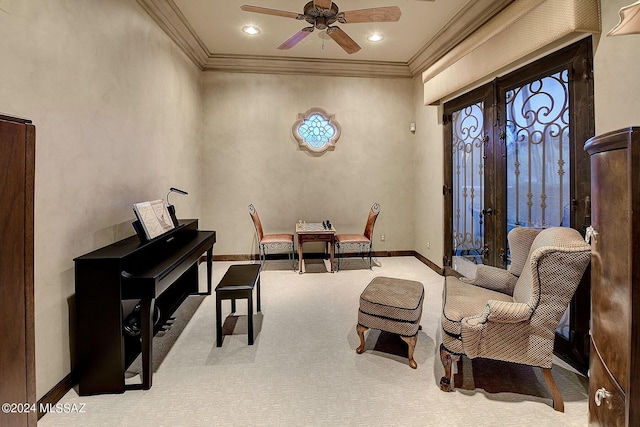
(322, 4)
(376, 14)
(343, 40)
(296, 38)
(274, 12)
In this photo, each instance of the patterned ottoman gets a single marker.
(394, 306)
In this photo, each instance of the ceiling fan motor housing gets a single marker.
(319, 17)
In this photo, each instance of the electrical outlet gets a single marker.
(382, 237)
(428, 244)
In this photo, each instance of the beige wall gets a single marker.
(116, 107)
(251, 156)
(428, 178)
(616, 83)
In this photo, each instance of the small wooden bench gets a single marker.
(238, 282)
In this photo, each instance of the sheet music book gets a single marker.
(154, 217)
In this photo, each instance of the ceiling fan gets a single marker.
(321, 14)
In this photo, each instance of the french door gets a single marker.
(514, 157)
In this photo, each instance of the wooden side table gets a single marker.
(238, 282)
(314, 232)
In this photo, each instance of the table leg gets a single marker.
(299, 255)
(331, 252)
(250, 316)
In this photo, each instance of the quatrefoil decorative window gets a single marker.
(316, 130)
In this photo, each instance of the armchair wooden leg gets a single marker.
(447, 360)
(558, 403)
(361, 330)
(411, 342)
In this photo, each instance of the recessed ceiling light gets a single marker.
(250, 29)
(375, 37)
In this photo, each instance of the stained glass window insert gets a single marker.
(316, 130)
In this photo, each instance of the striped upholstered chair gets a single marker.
(512, 315)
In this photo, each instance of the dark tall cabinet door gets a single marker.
(17, 359)
(614, 398)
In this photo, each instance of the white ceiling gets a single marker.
(219, 25)
(210, 32)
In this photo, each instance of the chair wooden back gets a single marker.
(371, 221)
(256, 222)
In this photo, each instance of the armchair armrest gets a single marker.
(501, 312)
(507, 312)
(481, 333)
(496, 279)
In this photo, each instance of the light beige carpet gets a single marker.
(303, 369)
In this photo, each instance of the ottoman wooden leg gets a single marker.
(411, 341)
(361, 330)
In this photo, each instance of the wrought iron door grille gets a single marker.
(468, 141)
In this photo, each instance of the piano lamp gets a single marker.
(170, 207)
(629, 21)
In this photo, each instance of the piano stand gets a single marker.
(110, 280)
(146, 334)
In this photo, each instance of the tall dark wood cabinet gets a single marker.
(614, 366)
(17, 342)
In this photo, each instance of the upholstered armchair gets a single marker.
(512, 315)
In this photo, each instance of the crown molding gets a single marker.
(168, 16)
(306, 66)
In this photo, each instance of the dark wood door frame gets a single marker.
(17, 353)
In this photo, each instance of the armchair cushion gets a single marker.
(494, 278)
(520, 241)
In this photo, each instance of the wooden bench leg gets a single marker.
(218, 321)
(250, 318)
(411, 342)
